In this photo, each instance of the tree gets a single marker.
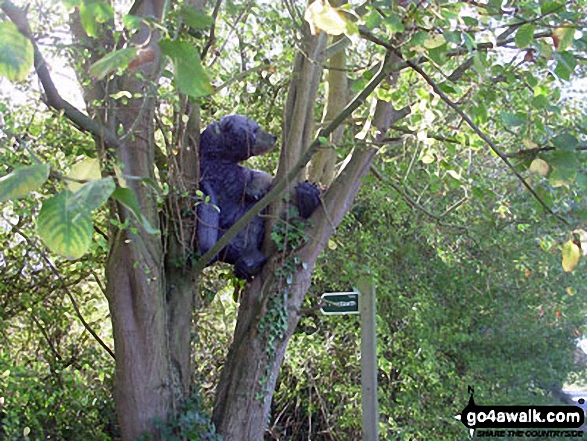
(151, 265)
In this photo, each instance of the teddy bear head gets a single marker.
(234, 138)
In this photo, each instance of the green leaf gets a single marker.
(565, 142)
(394, 23)
(128, 198)
(16, 52)
(564, 159)
(190, 77)
(454, 37)
(438, 54)
(525, 35)
(63, 230)
(548, 7)
(92, 195)
(447, 87)
(563, 37)
(494, 6)
(93, 13)
(565, 66)
(480, 63)
(22, 181)
(194, 18)
(434, 41)
(372, 20)
(479, 113)
(562, 176)
(113, 61)
(132, 22)
(540, 101)
(512, 119)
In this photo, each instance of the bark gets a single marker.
(298, 118)
(246, 386)
(180, 275)
(268, 313)
(150, 287)
(321, 168)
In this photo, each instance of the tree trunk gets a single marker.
(269, 309)
(268, 316)
(150, 287)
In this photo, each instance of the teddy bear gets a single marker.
(231, 189)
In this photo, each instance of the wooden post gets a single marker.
(369, 403)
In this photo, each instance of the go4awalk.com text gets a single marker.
(522, 421)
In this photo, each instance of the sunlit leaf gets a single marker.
(85, 170)
(16, 52)
(64, 231)
(113, 61)
(119, 176)
(434, 40)
(563, 37)
(22, 181)
(128, 198)
(539, 166)
(427, 157)
(571, 256)
(190, 77)
(132, 22)
(323, 17)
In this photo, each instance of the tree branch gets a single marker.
(52, 97)
(414, 66)
(536, 150)
(280, 184)
(57, 274)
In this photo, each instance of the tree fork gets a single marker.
(247, 382)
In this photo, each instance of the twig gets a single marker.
(534, 151)
(366, 34)
(66, 289)
(52, 97)
(212, 36)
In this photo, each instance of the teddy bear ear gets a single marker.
(225, 124)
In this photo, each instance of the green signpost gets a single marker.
(340, 303)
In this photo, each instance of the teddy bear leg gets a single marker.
(307, 198)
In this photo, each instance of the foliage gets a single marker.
(56, 381)
(191, 422)
(456, 307)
